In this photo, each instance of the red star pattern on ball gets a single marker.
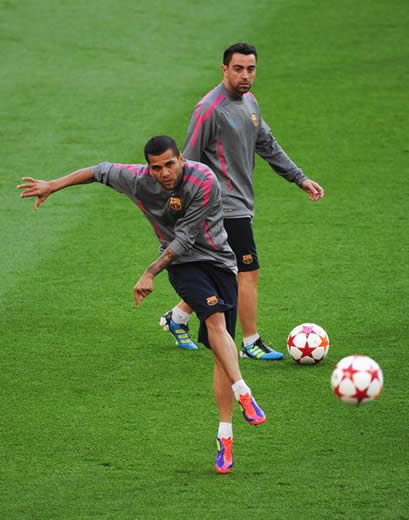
(290, 341)
(374, 373)
(307, 350)
(349, 372)
(361, 394)
(337, 392)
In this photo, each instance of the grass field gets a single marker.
(101, 416)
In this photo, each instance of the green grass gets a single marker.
(101, 416)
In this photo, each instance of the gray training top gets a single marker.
(225, 133)
(189, 218)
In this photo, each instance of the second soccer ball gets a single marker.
(357, 380)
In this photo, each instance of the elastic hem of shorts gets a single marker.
(247, 268)
(213, 311)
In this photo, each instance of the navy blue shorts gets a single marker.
(207, 289)
(241, 240)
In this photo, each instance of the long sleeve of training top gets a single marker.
(268, 148)
(225, 133)
(188, 219)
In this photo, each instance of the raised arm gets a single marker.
(43, 189)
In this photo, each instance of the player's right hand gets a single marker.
(143, 287)
(35, 188)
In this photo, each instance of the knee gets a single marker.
(248, 277)
(216, 323)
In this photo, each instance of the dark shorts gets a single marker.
(207, 289)
(241, 239)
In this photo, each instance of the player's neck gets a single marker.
(232, 93)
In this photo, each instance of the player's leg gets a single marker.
(247, 302)
(223, 392)
(183, 306)
(212, 293)
(241, 240)
(223, 347)
(225, 351)
(227, 384)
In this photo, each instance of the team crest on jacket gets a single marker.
(254, 119)
(212, 300)
(175, 203)
(247, 259)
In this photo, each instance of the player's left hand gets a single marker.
(35, 188)
(143, 287)
(314, 190)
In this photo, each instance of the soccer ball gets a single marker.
(357, 380)
(308, 344)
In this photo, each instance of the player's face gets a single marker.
(240, 73)
(166, 168)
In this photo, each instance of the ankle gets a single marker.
(240, 388)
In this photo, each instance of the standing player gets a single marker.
(225, 132)
(182, 200)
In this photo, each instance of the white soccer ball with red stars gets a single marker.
(357, 380)
(308, 344)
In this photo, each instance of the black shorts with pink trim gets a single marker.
(207, 289)
(241, 240)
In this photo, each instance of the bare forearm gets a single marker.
(43, 189)
(144, 285)
(82, 176)
(166, 258)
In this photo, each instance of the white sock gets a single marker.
(179, 316)
(239, 388)
(249, 340)
(225, 430)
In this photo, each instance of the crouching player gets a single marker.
(182, 200)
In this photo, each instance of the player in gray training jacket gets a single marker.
(226, 130)
(182, 200)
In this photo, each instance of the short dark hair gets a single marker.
(159, 144)
(240, 48)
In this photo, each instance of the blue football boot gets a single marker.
(259, 350)
(179, 331)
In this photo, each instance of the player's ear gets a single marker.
(181, 159)
(224, 68)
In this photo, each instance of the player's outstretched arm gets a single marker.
(144, 286)
(314, 190)
(43, 189)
